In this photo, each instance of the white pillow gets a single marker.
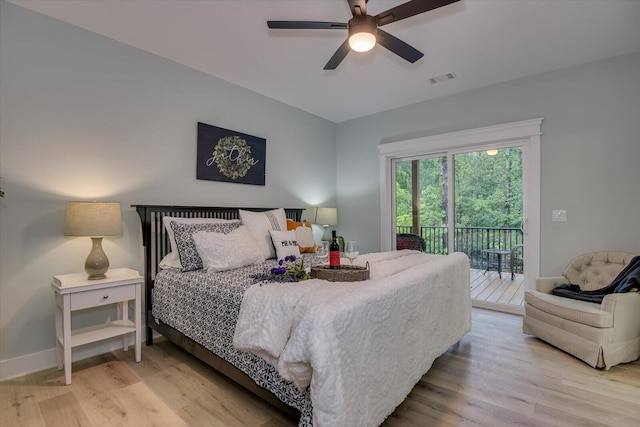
(285, 242)
(259, 224)
(166, 220)
(220, 252)
(189, 257)
(170, 260)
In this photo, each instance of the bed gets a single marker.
(313, 368)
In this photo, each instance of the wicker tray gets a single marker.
(346, 273)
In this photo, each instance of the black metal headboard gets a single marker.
(156, 240)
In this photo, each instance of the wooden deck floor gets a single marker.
(490, 288)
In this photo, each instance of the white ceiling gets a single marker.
(482, 41)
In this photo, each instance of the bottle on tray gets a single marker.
(334, 252)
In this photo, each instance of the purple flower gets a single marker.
(289, 269)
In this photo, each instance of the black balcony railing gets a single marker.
(470, 240)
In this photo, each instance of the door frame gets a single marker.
(526, 133)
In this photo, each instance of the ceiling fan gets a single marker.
(364, 31)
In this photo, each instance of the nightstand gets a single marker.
(76, 292)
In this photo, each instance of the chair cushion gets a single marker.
(596, 270)
(587, 313)
(585, 332)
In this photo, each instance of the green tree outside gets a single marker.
(487, 193)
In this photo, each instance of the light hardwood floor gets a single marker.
(495, 376)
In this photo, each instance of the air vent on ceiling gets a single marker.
(442, 78)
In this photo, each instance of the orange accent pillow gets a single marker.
(304, 235)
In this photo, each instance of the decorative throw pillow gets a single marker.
(220, 252)
(174, 260)
(304, 235)
(259, 224)
(285, 243)
(189, 257)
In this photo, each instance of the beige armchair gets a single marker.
(601, 334)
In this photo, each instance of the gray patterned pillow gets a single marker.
(183, 233)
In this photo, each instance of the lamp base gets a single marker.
(97, 262)
(324, 233)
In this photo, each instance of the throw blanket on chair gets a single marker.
(626, 280)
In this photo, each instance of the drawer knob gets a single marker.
(105, 297)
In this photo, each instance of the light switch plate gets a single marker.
(559, 215)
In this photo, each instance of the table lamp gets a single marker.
(326, 217)
(95, 220)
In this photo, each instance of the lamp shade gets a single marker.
(92, 219)
(327, 216)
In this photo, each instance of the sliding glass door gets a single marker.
(482, 185)
(488, 205)
(422, 205)
(471, 202)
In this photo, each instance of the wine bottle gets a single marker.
(334, 252)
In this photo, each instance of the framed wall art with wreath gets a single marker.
(229, 156)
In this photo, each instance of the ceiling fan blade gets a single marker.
(408, 9)
(398, 47)
(337, 57)
(358, 7)
(307, 25)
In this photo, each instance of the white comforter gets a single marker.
(360, 346)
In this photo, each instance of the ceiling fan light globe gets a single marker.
(362, 42)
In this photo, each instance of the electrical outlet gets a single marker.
(559, 215)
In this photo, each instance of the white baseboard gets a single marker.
(23, 365)
(35, 362)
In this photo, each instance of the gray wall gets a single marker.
(84, 117)
(590, 153)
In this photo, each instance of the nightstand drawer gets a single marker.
(100, 297)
